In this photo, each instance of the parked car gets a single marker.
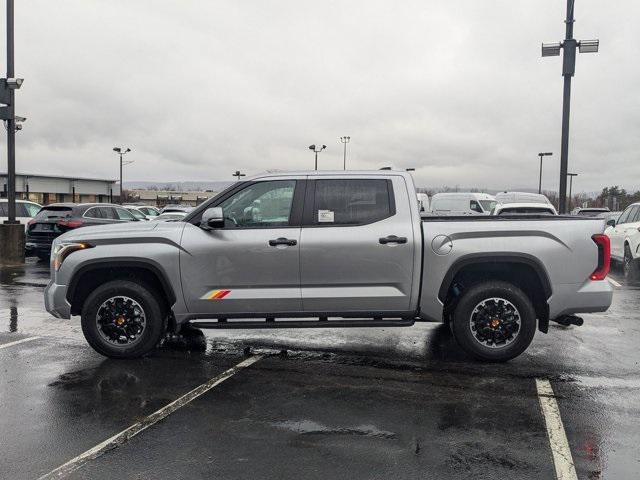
(524, 209)
(25, 210)
(176, 208)
(521, 197)
(589, 211)
(332, 249)
(170, 217)
(607, 216)
(146, 210)
(58, 218)
(624, 234)
(459, 203)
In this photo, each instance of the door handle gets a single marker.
(282, 241)
(392, 239)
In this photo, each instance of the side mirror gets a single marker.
(611, 222)
(212, 218)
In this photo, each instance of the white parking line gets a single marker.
(613, 282)
(136, 428)
(22, 340)
(562, 459)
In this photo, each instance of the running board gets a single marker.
(322, 323)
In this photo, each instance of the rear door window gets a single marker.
(94, 212)
(3, 209)
(352, 202)
(32, 209)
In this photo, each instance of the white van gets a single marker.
(462, 203)
(25, 210)
(521, 197)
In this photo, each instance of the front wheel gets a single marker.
(494, 321)
(123, 319)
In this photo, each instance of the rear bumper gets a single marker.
(590, 297)
(55, 300)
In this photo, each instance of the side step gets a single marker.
(567, 320)
(321, 323)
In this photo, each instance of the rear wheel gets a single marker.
(629, 265)
(123, 319)
(494, 321)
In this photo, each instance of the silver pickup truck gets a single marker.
(329, 249)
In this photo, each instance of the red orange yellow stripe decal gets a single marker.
(218, 294)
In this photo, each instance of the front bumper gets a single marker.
(55, 300)
(590, 297)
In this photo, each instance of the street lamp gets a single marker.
(345, 140)
(122, 151)
(568, 69)
(316, 151)
(237, 174)
(543, 154)
(571, 175)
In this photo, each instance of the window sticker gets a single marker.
(325, 216)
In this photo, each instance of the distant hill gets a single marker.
(191, 186)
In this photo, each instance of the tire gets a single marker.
(107, 302)
(514, 312)
(629, 265)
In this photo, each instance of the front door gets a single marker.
(252, 265)
(619, 232)
(357, 246)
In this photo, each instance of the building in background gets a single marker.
(160, 198)
(46, 189)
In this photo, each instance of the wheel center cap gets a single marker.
(120, 321)
(494, 323)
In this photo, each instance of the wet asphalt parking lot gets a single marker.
(341, 403)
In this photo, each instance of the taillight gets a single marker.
(70, 223)
(604, 257)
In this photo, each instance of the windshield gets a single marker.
(488, 205)
(525, 211)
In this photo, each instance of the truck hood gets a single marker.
(122, 231)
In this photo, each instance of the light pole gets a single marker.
(344, 141)
(543, 154)
(316, 151)
(571, 175)
(122, 151)
(237, 174)
(12, 235)
(568, 69)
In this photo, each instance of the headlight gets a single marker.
(63, 249)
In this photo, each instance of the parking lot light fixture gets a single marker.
(344, 141)
(317, 150)
(569, 46)
(542, 154)
(238, 174)
(122, 151)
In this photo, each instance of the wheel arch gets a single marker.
(522, 270)
(93, 273)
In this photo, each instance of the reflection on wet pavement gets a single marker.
(334, 394)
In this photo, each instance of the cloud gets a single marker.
(199, 89)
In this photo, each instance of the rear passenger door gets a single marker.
(357, 245)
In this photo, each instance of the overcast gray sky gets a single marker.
(199, 89)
